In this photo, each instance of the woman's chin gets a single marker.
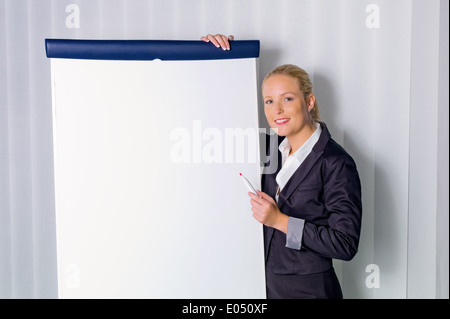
(279, 132)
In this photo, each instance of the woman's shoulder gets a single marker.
(335, 153)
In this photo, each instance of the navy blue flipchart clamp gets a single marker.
(148, 49)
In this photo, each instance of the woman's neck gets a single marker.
(296, 141)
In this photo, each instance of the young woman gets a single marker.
(311, 206)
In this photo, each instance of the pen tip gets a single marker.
(240, 174)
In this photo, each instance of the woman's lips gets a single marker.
(281, 121)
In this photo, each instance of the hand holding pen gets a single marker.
(265, 209)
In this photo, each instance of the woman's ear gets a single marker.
(311, 102)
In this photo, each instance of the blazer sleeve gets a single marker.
(342, 202)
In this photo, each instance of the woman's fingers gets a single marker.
(261, 201)
(264, 195)
(255, 197)
(219, 40)
(213, 40)
(223, 40)
(210, 38)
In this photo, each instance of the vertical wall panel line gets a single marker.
(18, 89)
(5, 206)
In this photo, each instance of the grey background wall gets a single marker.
(380, 73)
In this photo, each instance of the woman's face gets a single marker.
(285, 107)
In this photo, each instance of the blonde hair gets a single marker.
(304, 83)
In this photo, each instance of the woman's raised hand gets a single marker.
(219, 40)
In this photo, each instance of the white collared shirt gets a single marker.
(289, 165)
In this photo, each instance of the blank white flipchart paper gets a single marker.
(149, 201)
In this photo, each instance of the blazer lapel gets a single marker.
(298, 177)
(305, 167)
(269, 180)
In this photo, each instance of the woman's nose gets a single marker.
(278, 109)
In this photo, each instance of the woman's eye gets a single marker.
(268, 102)
(288, 99)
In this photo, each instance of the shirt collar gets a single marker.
(285, 146)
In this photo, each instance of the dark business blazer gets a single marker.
(325, 191)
